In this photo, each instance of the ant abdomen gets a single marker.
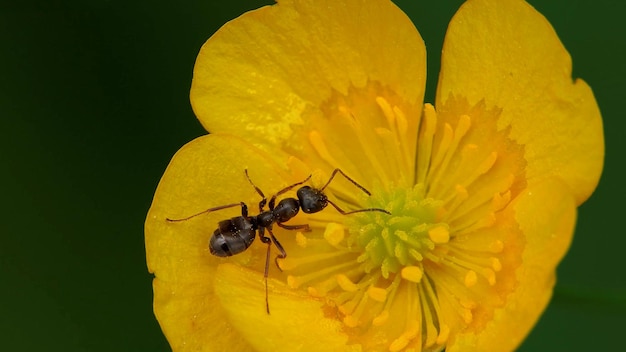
(232, 236)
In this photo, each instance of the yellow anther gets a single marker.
(334, 233)
(382, 131)
(412, 329)
(412, 273)
(495, 264)
(346, 284)
(313, 291)
(401, 120)
(444, 332)
(301, 240)
(318, 143)
(439, 234)
(398, 344)
(350, 321)
(461, 192)
(499, 201)
(487, 220)
(381, 318)
(467, 303)
(467, 316)
(287, 264)
(463, 125)
(293, 281)
(468, 150)
(470, 278)
(490, 275)
(386, 109)
(496, 246)
(377, 294)
(487, 163)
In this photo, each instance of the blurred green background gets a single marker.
(94, 102)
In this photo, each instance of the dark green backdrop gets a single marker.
(94, 102)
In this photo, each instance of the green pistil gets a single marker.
(392, 242)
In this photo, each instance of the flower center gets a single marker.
(399, 243)
(446, 257)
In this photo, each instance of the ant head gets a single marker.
(311, 200)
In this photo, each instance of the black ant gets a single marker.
(236, 234)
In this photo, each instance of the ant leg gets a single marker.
(258, 190)
(273, 199)
(348, 178)
(267, 264)
(244, 211)
(358, 210)
(304, 227)
(282, 254)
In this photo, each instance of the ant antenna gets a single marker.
(356, 184)
(244, 211)
(356, 211)
(347, 178)
(258, 190)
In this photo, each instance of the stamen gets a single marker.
(401, 122)
(473, 267)
(425, 143)
(450, 147)
(316, 140)
(482, 168)
(496, 246)
(334, 234)
(387, 111)
(471, 278)
(430, 310)
(393, 291)
(458, 197)
(408, 148)
(346, 284)
(439, 234)
(440, 153)
(378, 294)
(371, 146)
(444, 332)
(297, 281)
(484, 222)
(496, 264)
(412, 273)
(398, 344)
(500, 201)
(381, 318)
(456, 296)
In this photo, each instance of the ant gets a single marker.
(236, 234)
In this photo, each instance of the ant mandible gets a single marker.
(236, 234)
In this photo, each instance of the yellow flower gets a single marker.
(482, 187)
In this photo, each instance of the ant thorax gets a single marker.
(286, 209)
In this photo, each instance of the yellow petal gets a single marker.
(505, 52)
(259, 73)
(205, 173)
(546, 214)
(296, 322)
(192, 319)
